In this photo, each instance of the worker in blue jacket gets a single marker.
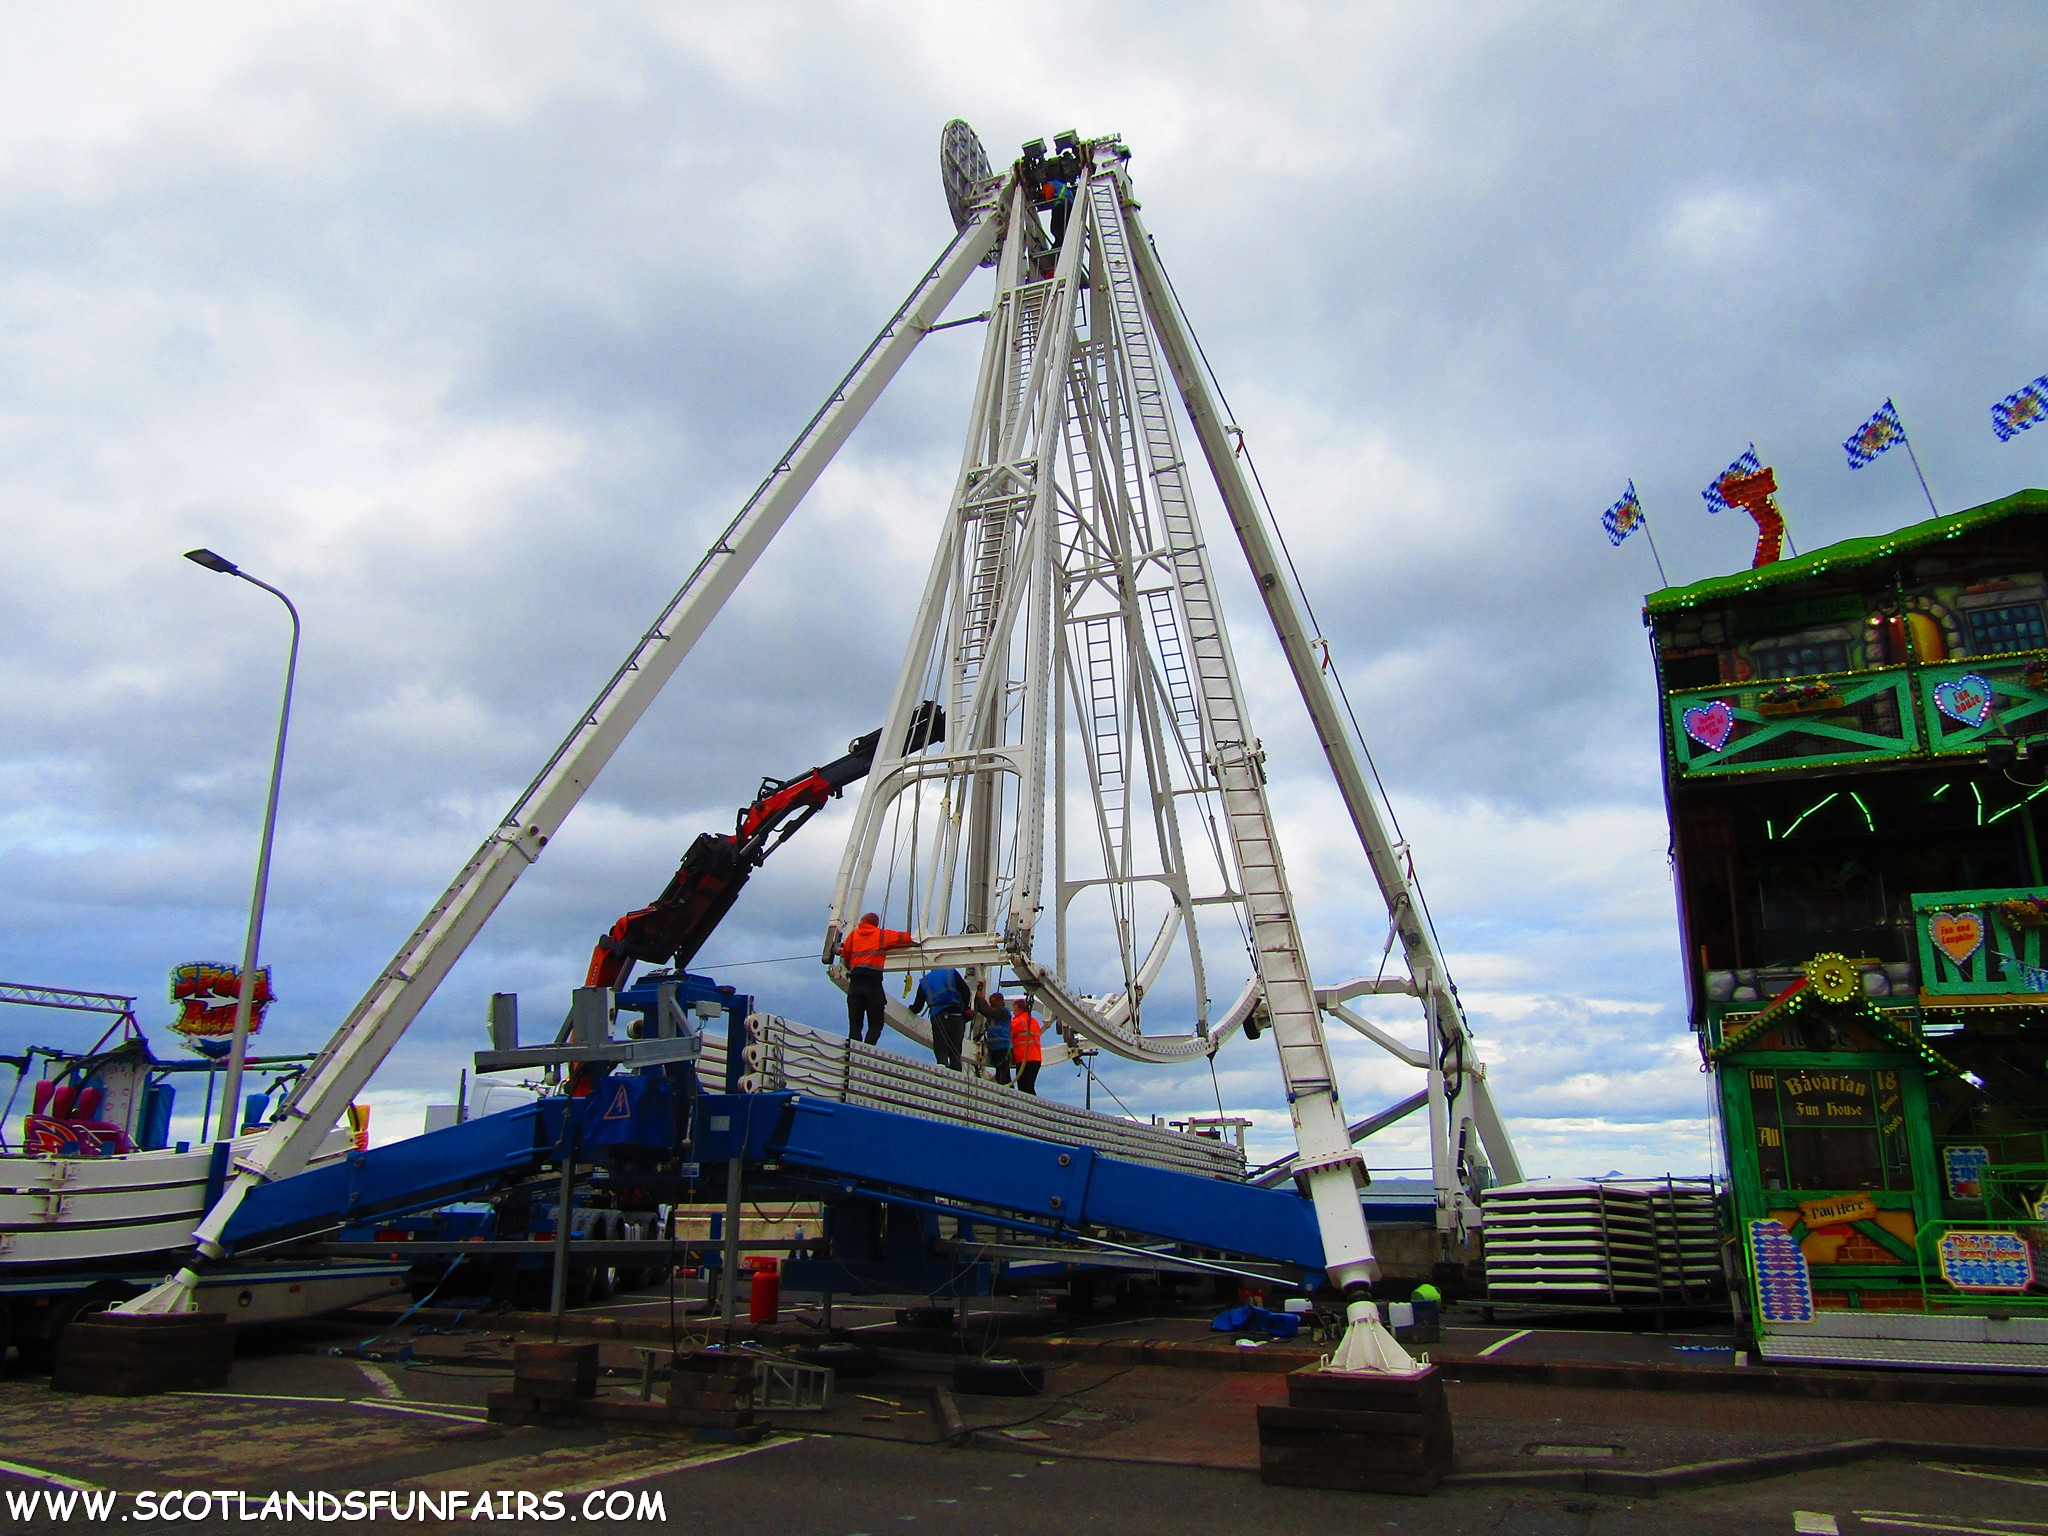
(995, 1040)
(943, 998)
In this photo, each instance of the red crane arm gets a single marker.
(673, 927)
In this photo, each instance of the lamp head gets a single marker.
(212, 562)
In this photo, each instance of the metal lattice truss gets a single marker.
(1070, 631)
(1100, 777)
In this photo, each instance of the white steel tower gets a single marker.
(1100, 776)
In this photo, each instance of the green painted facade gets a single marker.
(1851, 768)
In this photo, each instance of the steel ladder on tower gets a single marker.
(1231, 754)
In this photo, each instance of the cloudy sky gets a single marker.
(467, 325)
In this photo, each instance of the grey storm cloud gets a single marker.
(469, 326)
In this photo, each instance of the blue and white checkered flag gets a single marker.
(2021, 409)
(1624, 517)
(1875, 435)
(1748, 464)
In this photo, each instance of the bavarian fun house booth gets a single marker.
(1854, 744)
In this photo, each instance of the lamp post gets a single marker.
(231, 1108)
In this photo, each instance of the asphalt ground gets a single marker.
(835, 1486)
(1129, 1447)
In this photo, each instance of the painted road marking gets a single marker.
(584, 1468)
(1814, 1522)
(686, 1464)
(1908, 1521)
(1993, 1477)
(1499, 1344)
(54, 1479)
(445, 1412)
(379, 1379)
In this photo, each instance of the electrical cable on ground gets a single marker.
(408, 1312)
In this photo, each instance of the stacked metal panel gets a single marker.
(1602, 1242)
(783, 1055)
(1689, 1240)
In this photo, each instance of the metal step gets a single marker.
(1949, 1354)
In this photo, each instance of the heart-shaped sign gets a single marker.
(1710, 724)
(1958, 935)
(1966, 698)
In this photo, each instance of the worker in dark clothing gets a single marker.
(995, 1040)
(862, 950)
(1060, 190)
(1026, 1035)
(942, 997)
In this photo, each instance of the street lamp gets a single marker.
(230, 1109)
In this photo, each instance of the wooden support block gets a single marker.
(131, 1355)
(1413, 1449)
(1379, 1434)
(537, 1402)
(555, 1370)
(625, 1417)
(1355, 1422)
(1420, 1393)
(506, 1407)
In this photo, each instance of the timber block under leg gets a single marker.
(120, 1354)
(1367, 1433)
(555, 1370)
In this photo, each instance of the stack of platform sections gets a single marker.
(1621, 1243)
(784, 1056)
(1688, 1221)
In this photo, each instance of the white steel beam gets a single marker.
(375, 1025)
(1493, 1135)
(1379, 1037)
(1430, 980)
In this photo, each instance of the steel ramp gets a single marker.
(457, 1162)
(852, 1151)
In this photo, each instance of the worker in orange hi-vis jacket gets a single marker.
(862, 950)
(1026, 1046)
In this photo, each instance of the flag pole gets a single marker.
(1907, 439)
(1923, 478)
(1653, 550)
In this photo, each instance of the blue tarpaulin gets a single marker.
(1250, 1319)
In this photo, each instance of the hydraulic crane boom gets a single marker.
(673, 927)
